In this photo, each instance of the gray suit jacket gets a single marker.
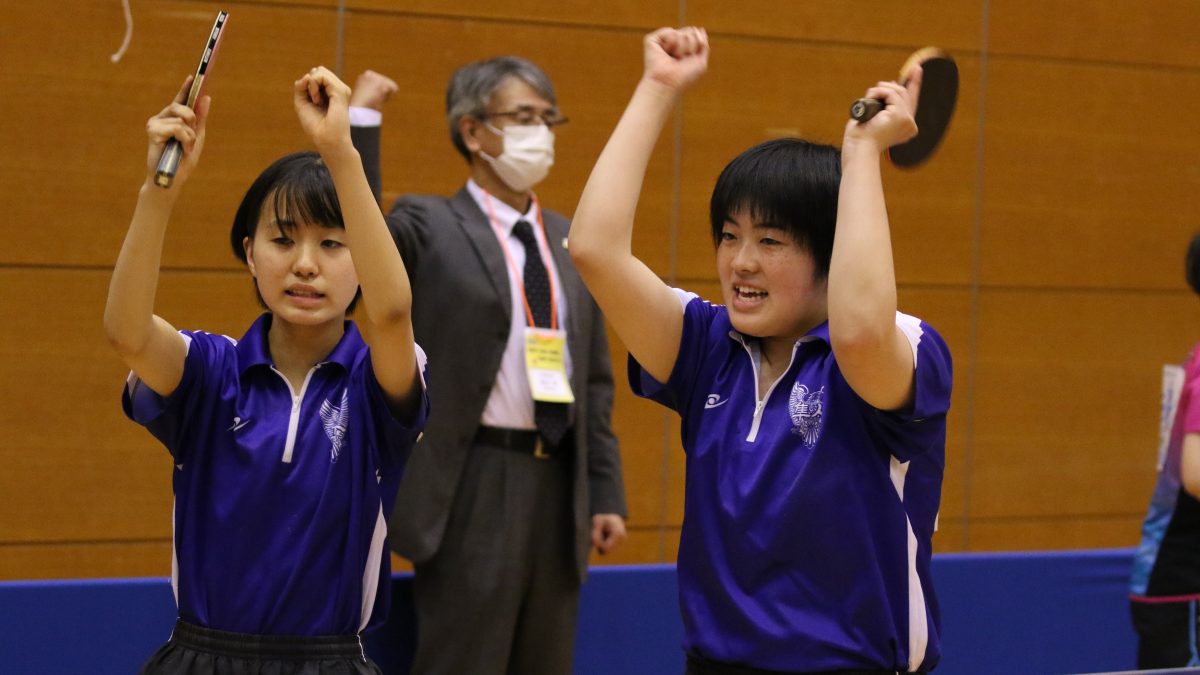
(461, 316)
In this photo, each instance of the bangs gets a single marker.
(309, 198)
(778, 206)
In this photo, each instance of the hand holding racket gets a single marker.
(189, 99)
(935, 75)
(894, 124)
(176, 131)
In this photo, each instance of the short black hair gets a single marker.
(301, 190)
(1192, 264)
(792, 184)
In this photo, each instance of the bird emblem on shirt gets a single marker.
(333, 418)
(806, 408)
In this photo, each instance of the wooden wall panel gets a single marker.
(642, 427)
(951, 534)
(949, 312)
(670, 544)
(1162, 33)
(1067, 400)
(328, 4)
(75, 468)
(806, 91)
(1102, 198)
(909, 24)
(1047, 534)
(86, 560)
(80, 171)
(593, 80)
(637, 14)
(1082, 200)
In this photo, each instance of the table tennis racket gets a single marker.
(935, 107)
(168, 164)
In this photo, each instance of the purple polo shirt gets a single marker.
(808, 521)
(281, 497)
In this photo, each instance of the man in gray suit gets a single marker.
(511, 485)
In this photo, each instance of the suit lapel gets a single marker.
(478, 231)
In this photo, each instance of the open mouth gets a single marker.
(747, 293)
(303, 293)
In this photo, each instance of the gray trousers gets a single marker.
(501, 594)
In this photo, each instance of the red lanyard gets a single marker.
(512, 265)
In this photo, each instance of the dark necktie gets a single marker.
(551, 418)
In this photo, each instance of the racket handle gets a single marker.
(865, 108)
(168, 164)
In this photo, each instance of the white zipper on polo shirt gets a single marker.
(760, 404)
(294, 420)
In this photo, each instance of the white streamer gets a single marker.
(128, 33)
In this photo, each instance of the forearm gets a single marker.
(862, 278)
(603, 222)
(630, 293)
(387, 297)
(129, 311)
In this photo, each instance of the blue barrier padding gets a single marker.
(629, 622)
(1034, 613)
(83, 626)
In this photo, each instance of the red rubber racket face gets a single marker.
(935, 108)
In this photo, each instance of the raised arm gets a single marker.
(874, 355)
(371, 91)
(150, 346)
(642, 309)
(322, 102)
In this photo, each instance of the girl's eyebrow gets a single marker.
(768, 225)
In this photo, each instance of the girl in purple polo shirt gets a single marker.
(287, 444)
(813, 413)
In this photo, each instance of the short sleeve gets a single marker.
(395, 435)
(922, 425)
(209, 361)
(698, 317)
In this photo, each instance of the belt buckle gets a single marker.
(539, 449)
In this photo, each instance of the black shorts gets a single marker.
(1166, 633)
(193, 649)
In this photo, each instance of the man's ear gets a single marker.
(469, 128)
(248, 247)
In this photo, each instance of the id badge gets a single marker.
(546, 364)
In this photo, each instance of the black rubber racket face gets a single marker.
(935, 108)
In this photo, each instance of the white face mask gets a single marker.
(527, 157)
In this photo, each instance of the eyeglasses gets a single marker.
(528, 117)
